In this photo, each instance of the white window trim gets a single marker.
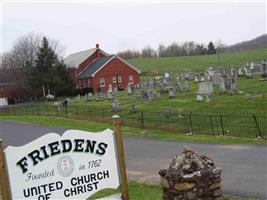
(119, 79)
(102, 82)
(131, 79)
(114, 79)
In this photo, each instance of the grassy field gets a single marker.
(154, 66)
(60, 122)
(187, 101)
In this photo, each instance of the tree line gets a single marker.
(189, 48)
(40, 65)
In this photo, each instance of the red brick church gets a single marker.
(93, 69)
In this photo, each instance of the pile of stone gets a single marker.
(191, 176)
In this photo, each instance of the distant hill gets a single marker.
(258, 42)
(156, 66)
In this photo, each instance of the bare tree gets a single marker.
(24, 51)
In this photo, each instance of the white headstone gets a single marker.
(199, 97)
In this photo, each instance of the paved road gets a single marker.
(244, 167)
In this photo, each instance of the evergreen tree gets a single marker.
(211, 48)
(50, 73)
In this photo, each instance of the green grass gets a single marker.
(154, 66)
(187, 101)
(145, 133)
(138, 191)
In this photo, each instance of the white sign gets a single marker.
(72, 166)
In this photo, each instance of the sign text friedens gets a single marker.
(75, 165)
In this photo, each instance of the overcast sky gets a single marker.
(121, 26)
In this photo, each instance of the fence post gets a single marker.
(4, 183)
(222, 125)
(47, 108)
(66, 111)
(211, 123)
(77, 113)
(14, 111)
(142, 119)
(257, 125)
(190, 120)
(38, 110)
(120, 153)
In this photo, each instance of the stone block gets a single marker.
(214, 186)
(184, 186)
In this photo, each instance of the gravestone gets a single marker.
(196, 79)
(233, 87)
(264, 71)
(86, 97)
(178, 87)
(150, 95)
(257, 69)
(191, 76)
(114, 105)
(158, 94)
(110, 92)
(161, 88)
(191, 176)
(167, 112)
(208, 98)
(89, 96)
(167, 76)
(233, 72)
(248, 95)
(151, 84)
(165, 82)
(245, 70)
(129, 89)
(180, 113)
(252, 65)
(199, 97)
(249, 73)
(186, 75)
(78, 97)
(170, 92)
(58, 106)
(210, 72)
(240, 71)
(216, 78)
(205, 87)
(145, 97)
(222, 86)
(227, 83)
(184, 87)
(100, 96)
(202, 77)
(133, 109)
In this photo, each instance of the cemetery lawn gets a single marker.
(155, 66)
(187, 101)
(59, 122)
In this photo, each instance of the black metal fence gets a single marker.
(215, 124)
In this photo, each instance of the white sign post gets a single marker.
(72, 166)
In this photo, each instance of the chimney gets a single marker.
(97, 51)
